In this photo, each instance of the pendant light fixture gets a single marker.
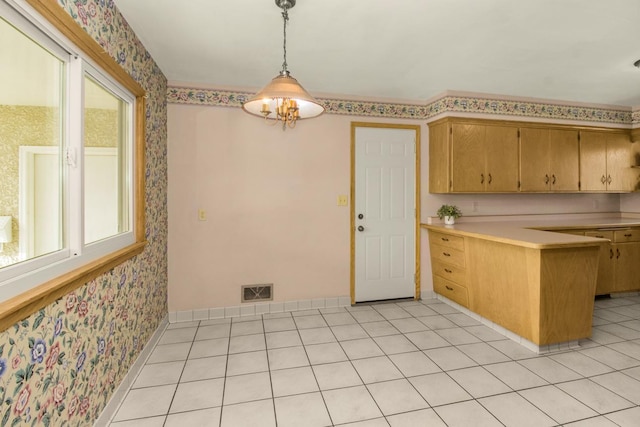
(283, 100)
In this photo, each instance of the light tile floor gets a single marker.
(415, 363)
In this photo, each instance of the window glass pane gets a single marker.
(31, 117)
(106, 144)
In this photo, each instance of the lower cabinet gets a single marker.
(544, 294)
(619, 264)
(448, 262)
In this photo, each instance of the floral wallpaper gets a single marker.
(446, 104)
(61, 365)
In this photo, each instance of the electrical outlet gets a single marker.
(202, 215)
(343, 200)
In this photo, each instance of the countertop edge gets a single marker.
(574, 241)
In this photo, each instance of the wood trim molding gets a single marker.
(352, 262)
(58, 17)
(27, 303)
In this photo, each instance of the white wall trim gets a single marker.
(257, 309)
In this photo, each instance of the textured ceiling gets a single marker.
(567, 50)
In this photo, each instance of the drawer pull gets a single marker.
(610, 253)
(444, 239)
(617, 253)
(628, 235)
(448, 271)
(446, 254)
(449, 288)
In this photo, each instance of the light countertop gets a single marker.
(529, 233)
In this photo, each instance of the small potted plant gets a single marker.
(449, 213)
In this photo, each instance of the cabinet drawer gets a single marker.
(447, 255)
(621, 236)
(451, 290)
(602, 234)
(448, 240)
(450, 272)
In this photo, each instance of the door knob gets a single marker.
(360, 216)
(360, 228)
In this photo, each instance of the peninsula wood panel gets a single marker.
(606, 279)
(567, 289)
(543, 295)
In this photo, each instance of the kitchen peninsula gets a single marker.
(535, 278)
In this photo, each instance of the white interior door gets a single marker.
(385, 177)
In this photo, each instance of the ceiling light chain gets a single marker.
(284, 99)
(285, 18)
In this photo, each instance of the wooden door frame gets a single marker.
(352, 262)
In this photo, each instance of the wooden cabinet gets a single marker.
(497, 156)
(448, 264)
(483, 158)
(619, 263)
(606, 160)
(472, 157)
(549, 160)
(606, 281)
(543, 293)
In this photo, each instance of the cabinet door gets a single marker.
(593, 161)
(619, 172)
(627, 276)
(606, 282)
(467, 154)
(534, 159)
(564, 153)
(501, 150)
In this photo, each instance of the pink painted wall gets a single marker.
(270, 198)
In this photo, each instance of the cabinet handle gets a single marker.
(609, 179)
(449, 288)
(446, 254)
(546, 179)
(448, 271)
(610, 253)
(603, 179)
(490, 178)
(628, 235)
(617, 253)
(553, 180)
(444, 239)
(481, 178)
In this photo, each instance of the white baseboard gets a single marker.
(121, 392)
(257, 309)
(539, 349)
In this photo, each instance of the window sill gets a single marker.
(22, 306)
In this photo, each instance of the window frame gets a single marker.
(52, 20)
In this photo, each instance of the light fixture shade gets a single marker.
(283, 86)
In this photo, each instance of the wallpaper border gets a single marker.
(445, 104)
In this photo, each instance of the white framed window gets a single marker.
(71, 148)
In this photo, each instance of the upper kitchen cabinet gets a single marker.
(606, 159)
(470, 156)
(549, 159)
